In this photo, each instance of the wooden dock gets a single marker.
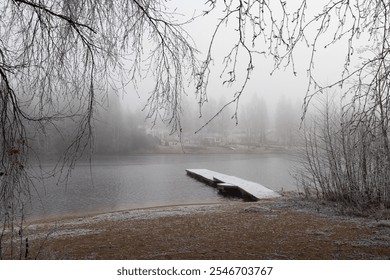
(231, 185)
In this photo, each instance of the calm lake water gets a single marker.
(137, 181)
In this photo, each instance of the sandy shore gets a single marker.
(283, 228)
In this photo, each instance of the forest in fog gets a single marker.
(122, 130)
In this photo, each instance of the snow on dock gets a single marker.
(232, 185)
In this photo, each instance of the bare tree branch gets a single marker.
(57, 57)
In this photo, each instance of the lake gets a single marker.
(137, 181)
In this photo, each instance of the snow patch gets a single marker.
(252, 188)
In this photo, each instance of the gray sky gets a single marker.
(328, 63)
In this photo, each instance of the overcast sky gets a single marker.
(328, 64)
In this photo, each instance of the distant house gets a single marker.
(166, 139)
(213, 140)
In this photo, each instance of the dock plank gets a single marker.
(204, 175)
(251, 188)
(247, 188)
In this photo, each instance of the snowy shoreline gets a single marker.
(155, 232)
(75, 225)
(136, 213)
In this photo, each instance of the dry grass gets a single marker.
(283, 228)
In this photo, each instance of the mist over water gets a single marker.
(129, 182)
(136, 164)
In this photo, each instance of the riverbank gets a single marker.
(226, 149)
(283, 228)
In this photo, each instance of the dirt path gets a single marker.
(284, 228)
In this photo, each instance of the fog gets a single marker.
(276, 89)
(268, 113)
